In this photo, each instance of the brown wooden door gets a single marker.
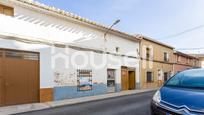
(21, 78)
(131, 80)
(1, 80)
(124, 79)
(6, 10)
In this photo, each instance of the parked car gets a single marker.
(181, 94)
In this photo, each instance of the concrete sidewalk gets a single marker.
(39, 106)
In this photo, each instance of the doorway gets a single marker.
(19, 77)
(111, 80)
(131, 80)
(127, 78)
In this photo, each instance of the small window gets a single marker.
(166, 56)
(6, 10)
(84, 80)
(149, 77)
(166, 76)
(111, 78)
(147, 53)
(117, 49)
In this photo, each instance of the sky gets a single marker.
(179, 23)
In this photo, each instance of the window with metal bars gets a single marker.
(84, 80)
(149, 77)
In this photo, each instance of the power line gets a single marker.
(200, 48)
(183, 32)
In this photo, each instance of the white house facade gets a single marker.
(47, 54)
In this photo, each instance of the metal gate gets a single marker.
(19, 77)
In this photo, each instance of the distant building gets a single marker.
(201, 59)
(184, 61)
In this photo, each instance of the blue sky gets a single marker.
(159, 19)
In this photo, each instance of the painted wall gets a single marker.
(165, 68)
(156, 62)
(201, 59)
(184, 62)
(56, 69)
(157, 49)
(178, 68)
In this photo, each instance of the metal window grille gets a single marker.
(84, 80)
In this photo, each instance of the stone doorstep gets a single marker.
(40, 106)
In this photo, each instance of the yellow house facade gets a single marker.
(156, 63)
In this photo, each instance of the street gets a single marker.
(138, 104)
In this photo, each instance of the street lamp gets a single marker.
(116, 22)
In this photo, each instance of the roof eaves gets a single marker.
(157, 42)
(184, 54)
(74, 16)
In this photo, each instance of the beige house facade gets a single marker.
(156, 63)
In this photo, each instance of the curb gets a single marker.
(48, 105)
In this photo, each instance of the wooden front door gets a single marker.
(127, 78)
(1, 79)
(131, 80)
(20, 78)
(124, 79)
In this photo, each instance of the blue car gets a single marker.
(181, 94)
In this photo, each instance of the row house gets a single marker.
(47, 54)
(201, 59)
(156, 62)
(184, 61)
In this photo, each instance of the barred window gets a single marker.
(149, 77)
(84, 80)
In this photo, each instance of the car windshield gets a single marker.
(188, 79)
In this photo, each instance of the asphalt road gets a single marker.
(138, 104)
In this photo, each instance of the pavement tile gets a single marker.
(39, 106)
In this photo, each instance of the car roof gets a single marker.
(194, 72)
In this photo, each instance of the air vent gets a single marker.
(13, 54)
(22, 55)
(31, 56)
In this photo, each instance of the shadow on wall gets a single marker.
(70, 92)
(63, 26)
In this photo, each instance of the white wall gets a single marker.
(34, 25)
(202, 64)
